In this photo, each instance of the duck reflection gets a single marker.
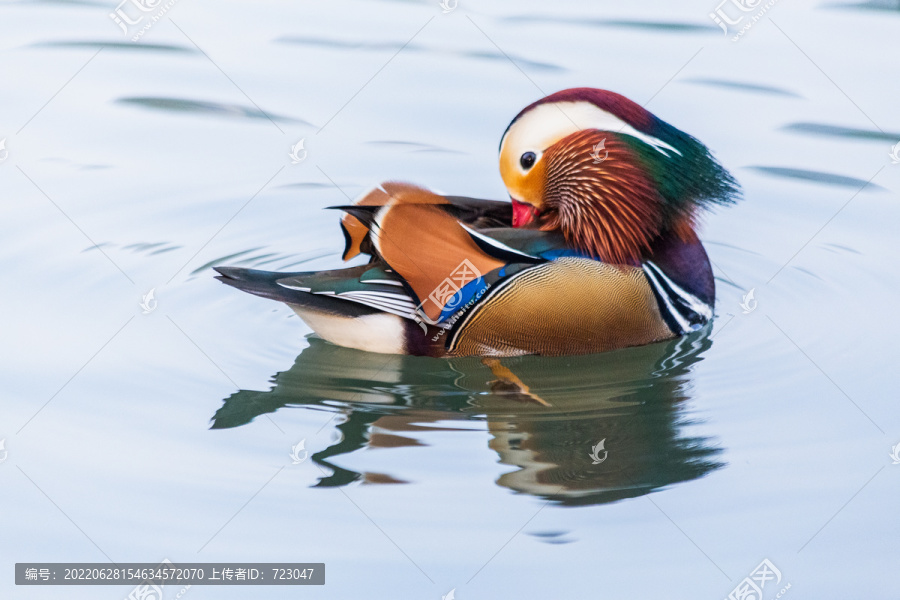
(578, 430)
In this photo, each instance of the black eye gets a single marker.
(527, 160)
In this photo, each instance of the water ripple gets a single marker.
(182, 105)
(838, 131)
(822, 177)
(394, 46)
(117, 46)
(744, 86)
(655, 26)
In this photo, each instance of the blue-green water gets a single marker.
(132, 437)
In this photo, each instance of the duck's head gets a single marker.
(607, 173)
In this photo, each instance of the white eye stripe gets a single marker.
(546, 124)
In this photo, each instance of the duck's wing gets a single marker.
(471, 211)
(440, 259)
(427, 263)
(479, 213)
(377, 287)
(534, 244)
(351, 292)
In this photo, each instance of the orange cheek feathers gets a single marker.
(525, 188)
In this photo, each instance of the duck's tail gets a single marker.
(265, 284)
(258, 283)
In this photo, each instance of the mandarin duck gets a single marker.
(597, 249)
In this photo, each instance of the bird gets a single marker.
(586, 256)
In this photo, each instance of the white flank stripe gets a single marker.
(682, 322)
(695, 303)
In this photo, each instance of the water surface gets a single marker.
(137, 166)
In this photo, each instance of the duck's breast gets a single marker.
(566, 306)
